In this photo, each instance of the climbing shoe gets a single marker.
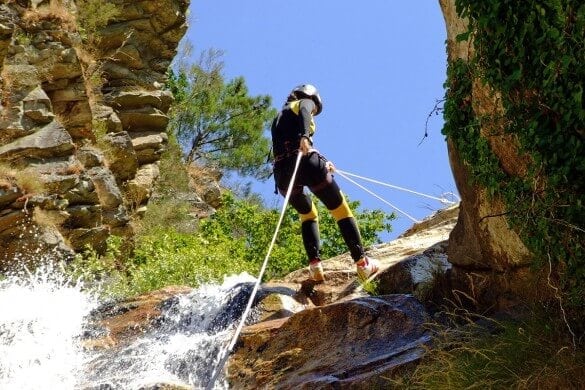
(366, 267)
(316, 271)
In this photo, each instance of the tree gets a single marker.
(244, 228)
(218, 122)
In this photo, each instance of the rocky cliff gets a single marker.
(82, 120)
(490, 259)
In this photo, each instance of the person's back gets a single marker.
(292, 123)
(292, 132)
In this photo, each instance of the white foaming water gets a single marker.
(43, 315)
(185, 348)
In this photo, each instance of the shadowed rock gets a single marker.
(348, 344)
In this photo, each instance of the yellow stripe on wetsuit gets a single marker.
(341, 212)
(311, 215)
(295, 106)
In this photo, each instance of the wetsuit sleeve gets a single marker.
(306, 108)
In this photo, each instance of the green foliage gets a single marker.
(371, 287)
(234, 240)
(218, 121)
(92, 15)
(96, 270)
(246, 229)
(533, 353)
(167, 257)
(532, 53)
(168, 206)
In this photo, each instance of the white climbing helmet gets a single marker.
(308, 91)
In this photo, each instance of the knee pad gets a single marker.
(311, 215)
(342, 211)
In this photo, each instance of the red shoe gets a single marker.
(366, 267)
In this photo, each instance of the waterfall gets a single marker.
(43, 317)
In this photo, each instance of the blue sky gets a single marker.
(379, 66)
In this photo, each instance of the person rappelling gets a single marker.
(292, 133)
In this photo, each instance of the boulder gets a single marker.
(37, 106)
(131, 99)
(149, 140)
(139, 189)
(355, 344)
(90, 156)
(82, 238)
(120, 323)
(416, 274)
(143, 119)
(83, 216)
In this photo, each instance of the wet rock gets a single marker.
(123, 321)
(9, 195)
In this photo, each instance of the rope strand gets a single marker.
(227, 352)
(442, 200)
(342, 174)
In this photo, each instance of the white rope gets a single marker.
(372, 193)
(227, 352)
(442, 200)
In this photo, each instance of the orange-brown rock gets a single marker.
(354, 344)
(122, 322)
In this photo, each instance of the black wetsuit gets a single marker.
(292, 123)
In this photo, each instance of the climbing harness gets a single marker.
(231, 345)
(346, 175)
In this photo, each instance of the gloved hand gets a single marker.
(305, 146)
(330, 167)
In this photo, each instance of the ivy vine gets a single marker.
(533, 53)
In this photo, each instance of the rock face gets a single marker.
(85, 118)
(302, 335)
(351, 344)
(487, 256)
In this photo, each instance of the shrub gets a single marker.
(530, 353)
(56, 11)
(92, 15)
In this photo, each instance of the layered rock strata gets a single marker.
(82, 121)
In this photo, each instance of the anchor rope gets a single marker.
(442, 199)
(342, 174)
(232, 343)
